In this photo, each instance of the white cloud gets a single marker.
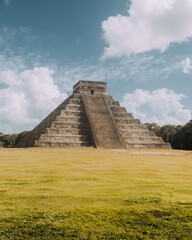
(40, 89)
(69, 75)
(164, 106)
(138, 68)
(187, 67)
(28, 96)
(7, 2)
(151, 24)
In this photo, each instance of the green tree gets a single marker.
(9, 139)
(20, 136)
(186, 136)
(154, 127)
(170, 133)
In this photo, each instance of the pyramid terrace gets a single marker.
(91, 118)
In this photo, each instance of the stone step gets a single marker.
(123, 115)
(104, 132)
(138, 133)
(61, 120)
(148, 146)
(70, 118)
(72, 131)
(123, 122)
(69, 125)
(76, 96)
(145, 139)
(74, 107)
(65, 134)
(62, 137)
(75, 101)
(109, 98)
(130, 127)
(118, 109)
(113, 103)
(39, 143)
(71, 112)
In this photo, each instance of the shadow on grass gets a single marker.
(173, 223)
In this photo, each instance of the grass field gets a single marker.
(95, 194)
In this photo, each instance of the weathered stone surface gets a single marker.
(90, 87)
(104, 133)
(91, 118)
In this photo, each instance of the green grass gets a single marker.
(95, 194)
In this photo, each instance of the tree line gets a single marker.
(10, 140)
(179, 137)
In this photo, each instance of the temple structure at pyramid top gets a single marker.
(90, 117)
(90, 87)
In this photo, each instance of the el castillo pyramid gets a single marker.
(90, 117)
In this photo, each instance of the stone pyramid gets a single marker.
(89, 117)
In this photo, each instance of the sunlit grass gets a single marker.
(95, 194)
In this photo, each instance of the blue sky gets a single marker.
(141, 48)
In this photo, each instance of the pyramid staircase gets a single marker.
(133, 133)
(91, 118)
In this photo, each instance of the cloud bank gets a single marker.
(31, 94)
(26, 97)
(151, 24)
(28, 93)
(165, 106)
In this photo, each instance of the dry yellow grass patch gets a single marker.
(50, 179)
(55, 181)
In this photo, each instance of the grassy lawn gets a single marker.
(95, 194)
